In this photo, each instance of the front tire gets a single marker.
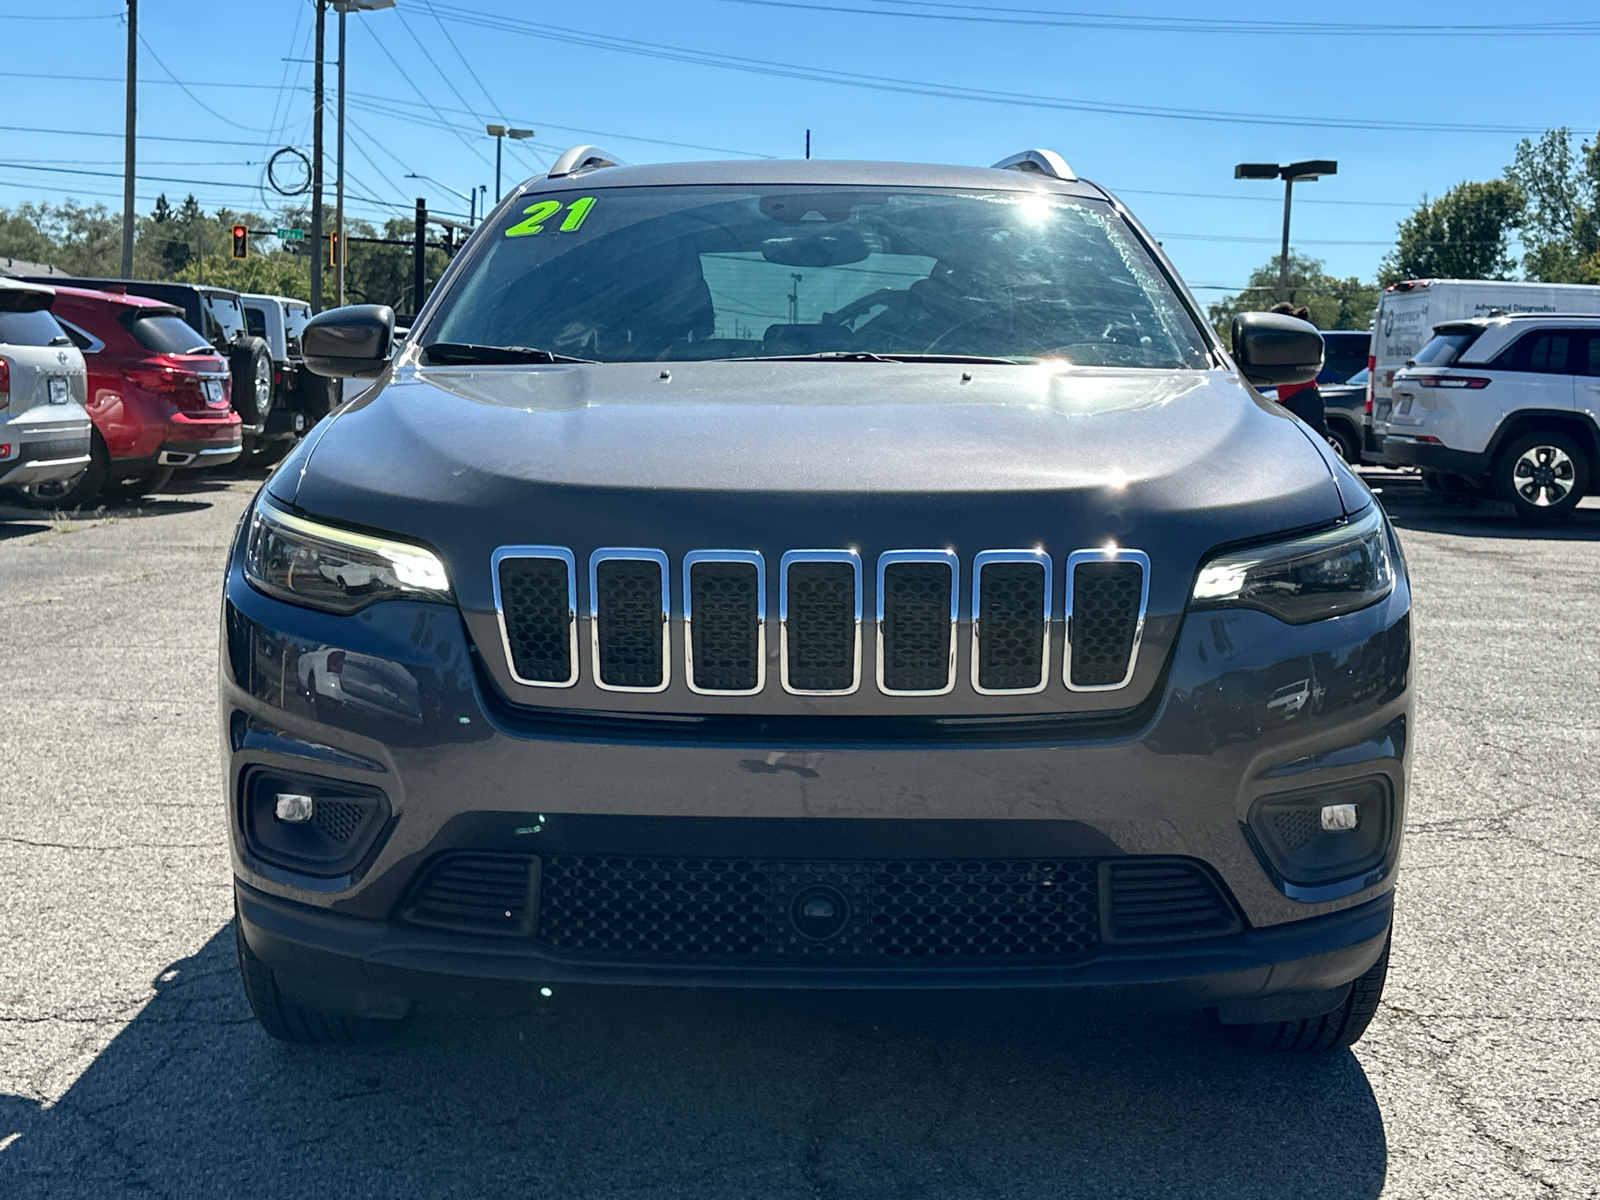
(1543, 474)
(289, 1021)
(1332, 1031)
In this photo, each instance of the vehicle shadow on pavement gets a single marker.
(655, 1092)
(1412, 506)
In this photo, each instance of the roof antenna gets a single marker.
(808, 145)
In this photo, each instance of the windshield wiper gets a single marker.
(468, 352)
(868, 356)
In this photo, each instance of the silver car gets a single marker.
(44, 430)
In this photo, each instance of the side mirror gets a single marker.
(1271, 348)
(351, 342)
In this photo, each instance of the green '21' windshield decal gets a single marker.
(536, 217)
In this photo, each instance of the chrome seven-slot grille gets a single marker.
(724, 610)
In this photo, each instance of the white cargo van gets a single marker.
(1408, 311)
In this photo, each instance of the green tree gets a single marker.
(1464, 234)
(1334, 303)
(1561, 230)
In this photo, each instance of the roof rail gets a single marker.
(584, 158)
(1038, 162)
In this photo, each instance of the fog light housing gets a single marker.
(1325, 835)
(309, 824)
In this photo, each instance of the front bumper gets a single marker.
(357, 957)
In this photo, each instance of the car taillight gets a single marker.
(1449, 381)
(5, 383)
(157, 379)
(1372, 380)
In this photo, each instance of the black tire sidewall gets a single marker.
(242, 389)
(1505, 464)
(87, 487)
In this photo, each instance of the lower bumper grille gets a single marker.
(878, 912)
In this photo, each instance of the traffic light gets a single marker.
(241, 241)
(333, 249)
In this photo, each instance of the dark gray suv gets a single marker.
(815, 574)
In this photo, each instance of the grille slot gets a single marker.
(916, 622)
(724, 609)
(536, 595)
(820, 613)
(1010, 621)
(478, 893)
(1161, 900)
(657, 908)
(628, 604)
(1106, 595)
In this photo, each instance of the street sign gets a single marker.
(291, 235)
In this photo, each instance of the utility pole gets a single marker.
(338, 204)
(419, 256)
(808, 145)
(316, 164)
(128, 139)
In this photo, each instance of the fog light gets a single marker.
(295, 809)
(1336, 818)
(309, 823)
(1332, 834)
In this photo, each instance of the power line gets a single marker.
(1223, 25)
(705, 58)
(373, 34)
(184, 88)
(143, 137)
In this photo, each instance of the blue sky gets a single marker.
(562, 70)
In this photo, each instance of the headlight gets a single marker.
(322, 566)
(1321, 575)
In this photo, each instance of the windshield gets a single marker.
(163, 333)
(679, 273)
(224, 320)
(35, 327)
(1444, 348)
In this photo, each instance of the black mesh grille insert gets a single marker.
(630, 623)
(821, 626)
(477, 893)
(722, 908)
(1159, 900)
(916, 631)
(1011, 625)
(725, 625)
(339, 819)
(534, 596)
(1105, 617)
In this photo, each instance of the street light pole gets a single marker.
(316, 163)
(499, 133)
(1290, 174)
(128, 139)
(338, 203)
(1283, 255)
(343, 8)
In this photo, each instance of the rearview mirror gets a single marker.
(1272, 348)
(351, 342)
(833, 248)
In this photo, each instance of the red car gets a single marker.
(158, 396)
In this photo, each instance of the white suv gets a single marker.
(1506, 406)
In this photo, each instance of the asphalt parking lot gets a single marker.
(129, 1063)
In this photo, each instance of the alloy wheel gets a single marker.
(1543, 475)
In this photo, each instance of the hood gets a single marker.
(773, 456)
